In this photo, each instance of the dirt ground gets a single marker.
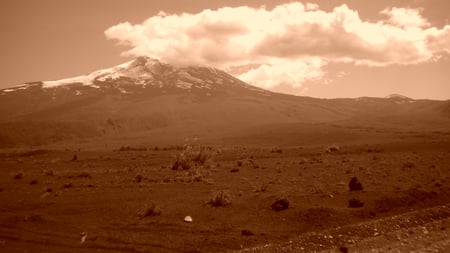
(131, 199)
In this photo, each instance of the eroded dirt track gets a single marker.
(425, 230)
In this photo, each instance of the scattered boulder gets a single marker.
(18, 175)
(280, 204)
(263, 188)
(408, 165)
(354, 203)
(343, 249)
(68, 185)
(277, 150)
(83, 236)
(188, 219)
(48, 172)
(355, 185)
(331, 149)
(47, 192)
(246, 232)
(84, 175)
(33, 218)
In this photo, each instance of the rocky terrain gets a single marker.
(148, 157)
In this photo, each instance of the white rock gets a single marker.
(83, 237)
(188, 219)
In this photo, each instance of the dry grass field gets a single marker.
(255, 197)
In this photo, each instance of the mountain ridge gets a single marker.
(144, 72)
(145, 97)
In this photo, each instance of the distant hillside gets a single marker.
(145, 97)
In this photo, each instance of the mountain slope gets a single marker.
(145, 97)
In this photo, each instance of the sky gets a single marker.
(318, 48)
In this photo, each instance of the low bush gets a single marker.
(221, 198)
(193, 157)
(354, 203)
(150, 210)
(129, 148)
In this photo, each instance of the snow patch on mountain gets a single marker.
(397, 96)
(102, 75)
(142, 73)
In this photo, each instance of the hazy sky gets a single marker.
(323, 48)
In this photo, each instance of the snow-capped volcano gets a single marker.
(139, 68)
(147, 99)
(144, 73)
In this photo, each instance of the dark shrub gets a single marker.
(280, 204)
(222, 198)
(150, 210)
(247, 232)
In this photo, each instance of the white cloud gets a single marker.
(289, 44)
(291, 72)
(405, 17)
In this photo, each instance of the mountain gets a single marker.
(143, 75)
(150, 100)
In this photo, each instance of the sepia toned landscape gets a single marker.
(182, 148)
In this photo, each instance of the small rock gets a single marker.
(48, 172)
(69, 185)
(343, 249)
(83, 237)
(246, 232)
(188, 219)
(18, 175)
(45, 195)
(354, 203)
(280, 204)
(331, 149)
(355, 185)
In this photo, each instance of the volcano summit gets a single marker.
(150, 100)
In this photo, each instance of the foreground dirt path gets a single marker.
(426, 230)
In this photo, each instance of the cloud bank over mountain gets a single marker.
(287, 45)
